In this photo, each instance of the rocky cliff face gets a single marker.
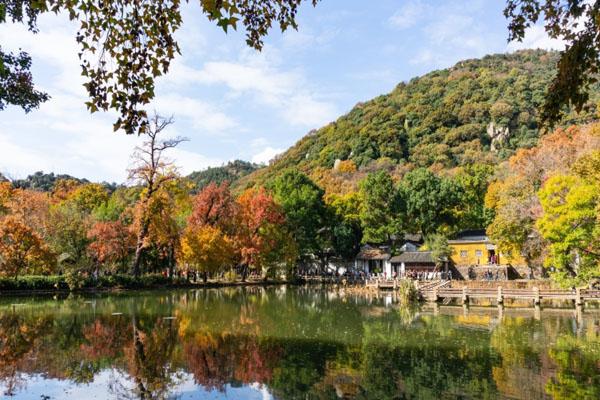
(498, 135)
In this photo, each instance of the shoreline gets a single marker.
(174, 286)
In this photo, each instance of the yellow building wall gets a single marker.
(473, 258)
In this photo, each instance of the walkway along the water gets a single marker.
(438, 291)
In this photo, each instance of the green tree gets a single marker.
(431, 201)
(472, 182)
(16, 82)
(344, 224)
(379, 208)
(67, 235)
(304, 209)
(440, 250)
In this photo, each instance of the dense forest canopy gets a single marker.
(478, 111)
(230, 172)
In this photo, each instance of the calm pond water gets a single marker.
(289, 343)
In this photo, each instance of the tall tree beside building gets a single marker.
(440, 250)
(153, 171)
(570, 223)
(345, 224)
(380, 207)
(473, 181)
(515, 196)
(430, 201)
(304, 208)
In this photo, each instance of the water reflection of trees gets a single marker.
(299, 345)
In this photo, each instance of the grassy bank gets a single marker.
(55, 283)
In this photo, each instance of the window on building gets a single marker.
(463, 254)
(478, 253)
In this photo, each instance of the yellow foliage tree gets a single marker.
(571, 226)
(206, 249)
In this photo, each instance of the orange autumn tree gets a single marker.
(32, 208)
(261, 237)
(214, 206)
(5, 195)
(111, 243)
(22, 250)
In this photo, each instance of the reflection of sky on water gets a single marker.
(112, 384)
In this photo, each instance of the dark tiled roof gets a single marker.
(474, 235)
(373, 254)
(421, 257)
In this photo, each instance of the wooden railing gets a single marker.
(579, 296)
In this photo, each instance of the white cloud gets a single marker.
(408, 15)
(259, 76)
(536, 38)
(266, 155)
(189, 161)
(63, 137)
(202, 116)
(305, 110)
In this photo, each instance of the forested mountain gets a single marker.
(231, 172)
(44, 182)
(478, 111)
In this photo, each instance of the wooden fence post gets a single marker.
(435, 294)
(578, 298)
(536, 293)
(500, 295)
(465, 297)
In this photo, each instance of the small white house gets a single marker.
(374, 260)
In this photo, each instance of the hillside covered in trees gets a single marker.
(476, 112)
(230, 172)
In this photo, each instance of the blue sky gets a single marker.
(233, 102)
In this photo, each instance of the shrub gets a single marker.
(34, 283)
(76, 282)
(407, 292)
(230, 276)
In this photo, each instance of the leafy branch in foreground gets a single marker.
(125, 45)
(575, 22)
